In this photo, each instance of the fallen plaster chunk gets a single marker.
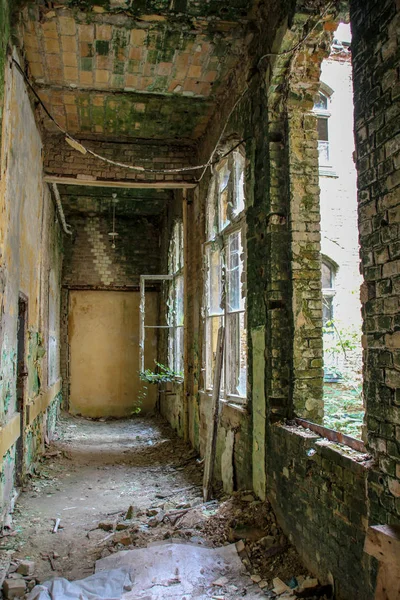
(221, 581)
(280, 587)
(308, 584)
(26, 567)
(14, 588)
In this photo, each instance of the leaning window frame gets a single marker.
(218, 235)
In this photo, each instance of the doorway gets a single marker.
(103, 333)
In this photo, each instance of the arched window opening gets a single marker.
(340, 277)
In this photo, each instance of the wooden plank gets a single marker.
(110, 183)
(332, 435)
(212, 434)
(383, 542)
(9, 433)
(42, 402)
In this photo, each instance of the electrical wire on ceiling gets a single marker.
(74, 143)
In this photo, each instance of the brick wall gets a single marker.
(376, 55)
(90, 260)
(62, 160)
(318, 491)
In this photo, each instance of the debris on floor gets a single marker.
(113, 494)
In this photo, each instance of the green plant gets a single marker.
(342, 339)
(162, 374)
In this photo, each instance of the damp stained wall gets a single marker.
(30, 248)
(103, 333)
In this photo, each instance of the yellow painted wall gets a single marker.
(103, 331)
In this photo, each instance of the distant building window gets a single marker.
(328, 292)
(322, 113)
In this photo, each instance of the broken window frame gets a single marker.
(142, 312)
(175, 296)
(224, 222)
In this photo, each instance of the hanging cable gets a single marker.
(74, 143)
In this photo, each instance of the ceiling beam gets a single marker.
(111, 183)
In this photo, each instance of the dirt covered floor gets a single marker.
(118, 485)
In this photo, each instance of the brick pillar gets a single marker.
(305, 261)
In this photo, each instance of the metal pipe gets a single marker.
(66, 227)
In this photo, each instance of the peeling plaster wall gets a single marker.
(31, 251)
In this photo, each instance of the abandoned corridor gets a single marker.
(161, 254)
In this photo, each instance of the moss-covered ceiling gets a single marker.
(137, 68)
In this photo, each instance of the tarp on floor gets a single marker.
(159, 572)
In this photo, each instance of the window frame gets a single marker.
(176, 271)
(325, 168)
(218, 234)
(331, 291)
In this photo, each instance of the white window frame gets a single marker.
(325, 168)
(142, 310)
(331, 291)
(218, 236)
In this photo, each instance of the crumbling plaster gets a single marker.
(30, 249)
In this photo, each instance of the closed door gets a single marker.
(103, 331)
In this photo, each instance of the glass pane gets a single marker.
(170, 321)
(212, 326)
(171, 356)
(211, 225)
(322, 128)
(179, 350)
(175, 255)
(214, 281)
(179, 300)
(239, 183)
(327, 310)
(234, 270)
(236, 354)
(321, 103)
(323, 152)
(326, 276)
(223, 195)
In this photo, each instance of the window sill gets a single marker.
(239, 406)
(327, 172)
(242, 408)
